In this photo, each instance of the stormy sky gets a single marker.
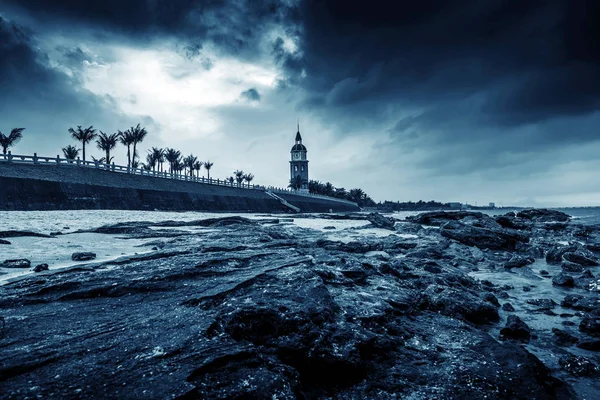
(452, 100)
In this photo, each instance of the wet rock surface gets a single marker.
(261, 309)
(83, 256)
(16, 263)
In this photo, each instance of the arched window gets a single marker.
(295, 168)
(303, 168)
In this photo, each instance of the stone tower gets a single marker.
(299, 163)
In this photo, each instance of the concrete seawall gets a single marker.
(49, 187)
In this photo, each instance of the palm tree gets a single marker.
(296, 182)
(172, 155)
(151, 161)
(159, 156)
(239, 176)
(98, 160)
(10, 140)
(230, 180)
(356, 195)
(83, 135)
(208, 165)
(189, 162)
(126, 139)
(138, 134)
(198, 166)
(71, 152)
(107, 142)
(248, 178)
(328, 189)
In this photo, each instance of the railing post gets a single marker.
(78, 161)
(10, 157)
(57, 159)
(112, 166)
(35, 158)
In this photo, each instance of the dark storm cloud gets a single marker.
(236, 27)
(250, 95)
(43, 99)
(534, 60)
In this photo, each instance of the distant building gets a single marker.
(299, 163)
(456, 205)
(492, 205)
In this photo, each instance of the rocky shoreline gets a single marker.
(448, 305)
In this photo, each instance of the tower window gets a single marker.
(296, 168)
(303, 168)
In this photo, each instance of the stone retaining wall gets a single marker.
(49, 187)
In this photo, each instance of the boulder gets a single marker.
(17, 263)
(458, 304)
(563, 279)
(543, 215)
(439, 218)
(571, 267)
(590, 324)
(2, 241)
(483, 238)
(555, 254)
(582, 257)
(564, 338)
(590, 345)
(40, 268)
(542, 304)
(517, 261)
(516, 329)
(577, 365)
(83, 256)
(329, 227)
(508, 307)
(379, 221)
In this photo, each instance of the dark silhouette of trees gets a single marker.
(138, 134)
(11, 139)
(70, 152)
(208, 165)
(172, 156)
(239, 176)
(83, 135)
(297, 182)
(107, 143)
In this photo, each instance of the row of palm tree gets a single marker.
(240, 177)
(327, 189)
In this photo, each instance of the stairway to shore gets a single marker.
(283, 201)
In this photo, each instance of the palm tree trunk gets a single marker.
(107, 161)
(128, 157)
(134, 143)
(83, 144)
(208, 172)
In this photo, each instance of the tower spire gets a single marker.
(298, 124)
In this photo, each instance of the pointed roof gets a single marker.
(298, 137)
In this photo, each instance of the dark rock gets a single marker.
(489, 297)
(483, 238)
(511, 222)
(570, 300)
(13, 234)
(543, 215)
(40, 268)
(590, 324)
(379, 221)
(438, 218)
(17, 263)
(563, 279)
(544, 272)
(2, 241)
(515, 328)
(581, 258)
(83, 256)
(571, 267)
(329, 227)
(564, 338)
(577, 365)
(458, 304)
(508, 307)
(590, 345)
(589, 304)
(527, 288)
(518, 262)
(154, 248)
(542, 304)
(555, 254)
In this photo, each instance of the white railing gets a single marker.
(35, 159)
